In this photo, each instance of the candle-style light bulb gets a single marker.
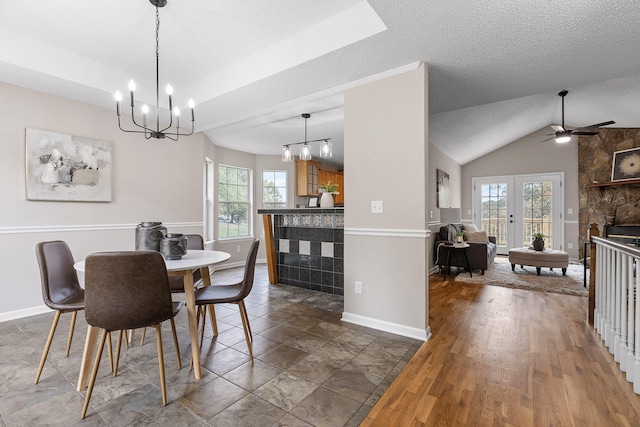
(118, 97)
(176, 112)
(132, 88)
(145, 110)
(170, 92)
(192, 105)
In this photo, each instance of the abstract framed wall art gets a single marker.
(63, 167)
(442, 189)
(626, 165)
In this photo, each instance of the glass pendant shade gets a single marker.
(325, 150)
(305, 152)
(286, 154)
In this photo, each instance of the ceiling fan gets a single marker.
(564, 135)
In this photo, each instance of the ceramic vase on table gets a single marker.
(173, 246)
(326, 200)
(149, 234)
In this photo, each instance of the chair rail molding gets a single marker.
(388, 232)
(85, 227)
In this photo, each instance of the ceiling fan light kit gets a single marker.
(174, 112)
(563, 135)
(305, 150)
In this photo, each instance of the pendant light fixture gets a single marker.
(174, 112)
(305, 150)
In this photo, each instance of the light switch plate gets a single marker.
(377, 206)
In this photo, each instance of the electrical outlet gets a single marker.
(377, 206)
(238, 248)
(468, 211)
(570, 245)
(358, 287)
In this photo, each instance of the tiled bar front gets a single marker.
(309, 247)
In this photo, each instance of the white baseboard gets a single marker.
(382, 325)
(25, 312)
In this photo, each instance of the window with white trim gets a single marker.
(234, 202)
(274, 189)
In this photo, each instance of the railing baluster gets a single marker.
(633, 318)
(621, 348)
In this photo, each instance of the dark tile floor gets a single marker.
(310, 368)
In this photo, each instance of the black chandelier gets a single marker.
(305, 150)
(174, 112)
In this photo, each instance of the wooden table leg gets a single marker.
(193, 322)
(87, 355)
(270, 249)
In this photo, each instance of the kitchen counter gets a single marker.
(305, 247)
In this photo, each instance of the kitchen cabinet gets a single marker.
(326, 175)
(307, 177)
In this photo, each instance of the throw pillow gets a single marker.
(475, 236)
(470, 227)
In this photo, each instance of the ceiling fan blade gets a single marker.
(584, 132)
(597, 125)
(558, 128)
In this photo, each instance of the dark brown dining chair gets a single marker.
(207, 296)
(126, 290)
(61, 290)
(194, 241)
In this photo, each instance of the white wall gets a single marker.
(386, 159)
(152, 181)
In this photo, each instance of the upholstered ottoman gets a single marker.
(549, 258)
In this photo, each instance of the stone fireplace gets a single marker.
(605, 204)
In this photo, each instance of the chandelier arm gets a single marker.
(133, 119)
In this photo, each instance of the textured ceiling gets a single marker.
(495, 66)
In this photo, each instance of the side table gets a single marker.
(456, 247)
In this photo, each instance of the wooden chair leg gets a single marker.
(94, 373)
(71, 327)
(246, 327)
(212, 318)
(244, 308)
(47, 346)
(175, 342)
(163, 384)
(110, 351)
(118, 347)
(144, 332)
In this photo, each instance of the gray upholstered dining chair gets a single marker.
(208, 296)
(61, 290)
(127, 290)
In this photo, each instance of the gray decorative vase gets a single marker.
(149, 235)
(173, 246)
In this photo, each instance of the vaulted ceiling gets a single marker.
(253, 67)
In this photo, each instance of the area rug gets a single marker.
(500, 274)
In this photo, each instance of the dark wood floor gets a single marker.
(507, 357)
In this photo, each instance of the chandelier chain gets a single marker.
(157, 33)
